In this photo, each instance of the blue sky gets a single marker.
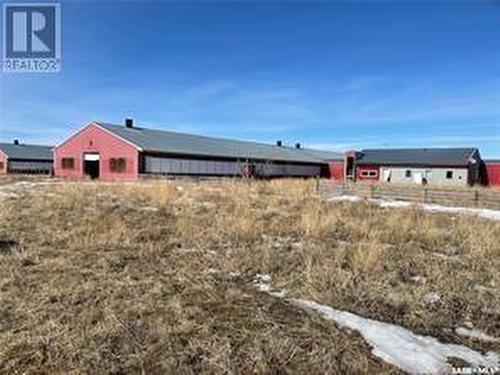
(331, 75)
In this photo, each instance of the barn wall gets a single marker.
(30, 166)
(363, 169)
(336, 168)
(3, 164)
(435, 176)
(93, 139)
(203, 167)
(493, 173)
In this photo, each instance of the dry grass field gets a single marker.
(158, 277)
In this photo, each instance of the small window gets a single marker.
(1, 165)
(68, 163)
(369, 174)
(449, 175)
(118, 165)
(408, 173)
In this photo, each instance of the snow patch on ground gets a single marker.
(475, 334)
(402, 348)
(432, 298)
(263, 283)
(418, 279)
(394, 344)
(345, 198)
(479, 212)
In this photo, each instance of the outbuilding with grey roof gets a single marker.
(19, 158)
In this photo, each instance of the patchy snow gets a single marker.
(263, 284)
(475, 334)
(400, 347)
(264, 278)
(212, 271)
(148, 208)
(396, 345)
(8, 194)
(431, 298)
(418, 279)
(479, 212)
(345, 198)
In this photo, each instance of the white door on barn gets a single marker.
(386, 175)
(417, 177)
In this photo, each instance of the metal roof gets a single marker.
(152, 140)
(419, 156)
(27, 152)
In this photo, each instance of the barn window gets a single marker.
(68, 163)
(118, 165)
(408, 173)
(1, 165)
(449, 175)
(369, 174)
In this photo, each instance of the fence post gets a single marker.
(476, 197)
(372, 191)
(425, 195)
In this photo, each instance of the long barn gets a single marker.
(113, 152)
(19, 158)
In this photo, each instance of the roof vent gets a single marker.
(297, 145)
(129, 123)
(16, 142)
(279, 143)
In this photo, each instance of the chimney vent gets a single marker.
(279, 143)
(16, 142)
(129, 123)
(297, 145)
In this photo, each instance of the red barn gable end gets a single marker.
(493, 172)
(117, 159)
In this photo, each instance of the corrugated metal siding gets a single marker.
(155, 164)
(21, 166)
(181, 166)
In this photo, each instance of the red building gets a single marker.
(117, 152)
(336, 170)
(96, 152)
(492, 172)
